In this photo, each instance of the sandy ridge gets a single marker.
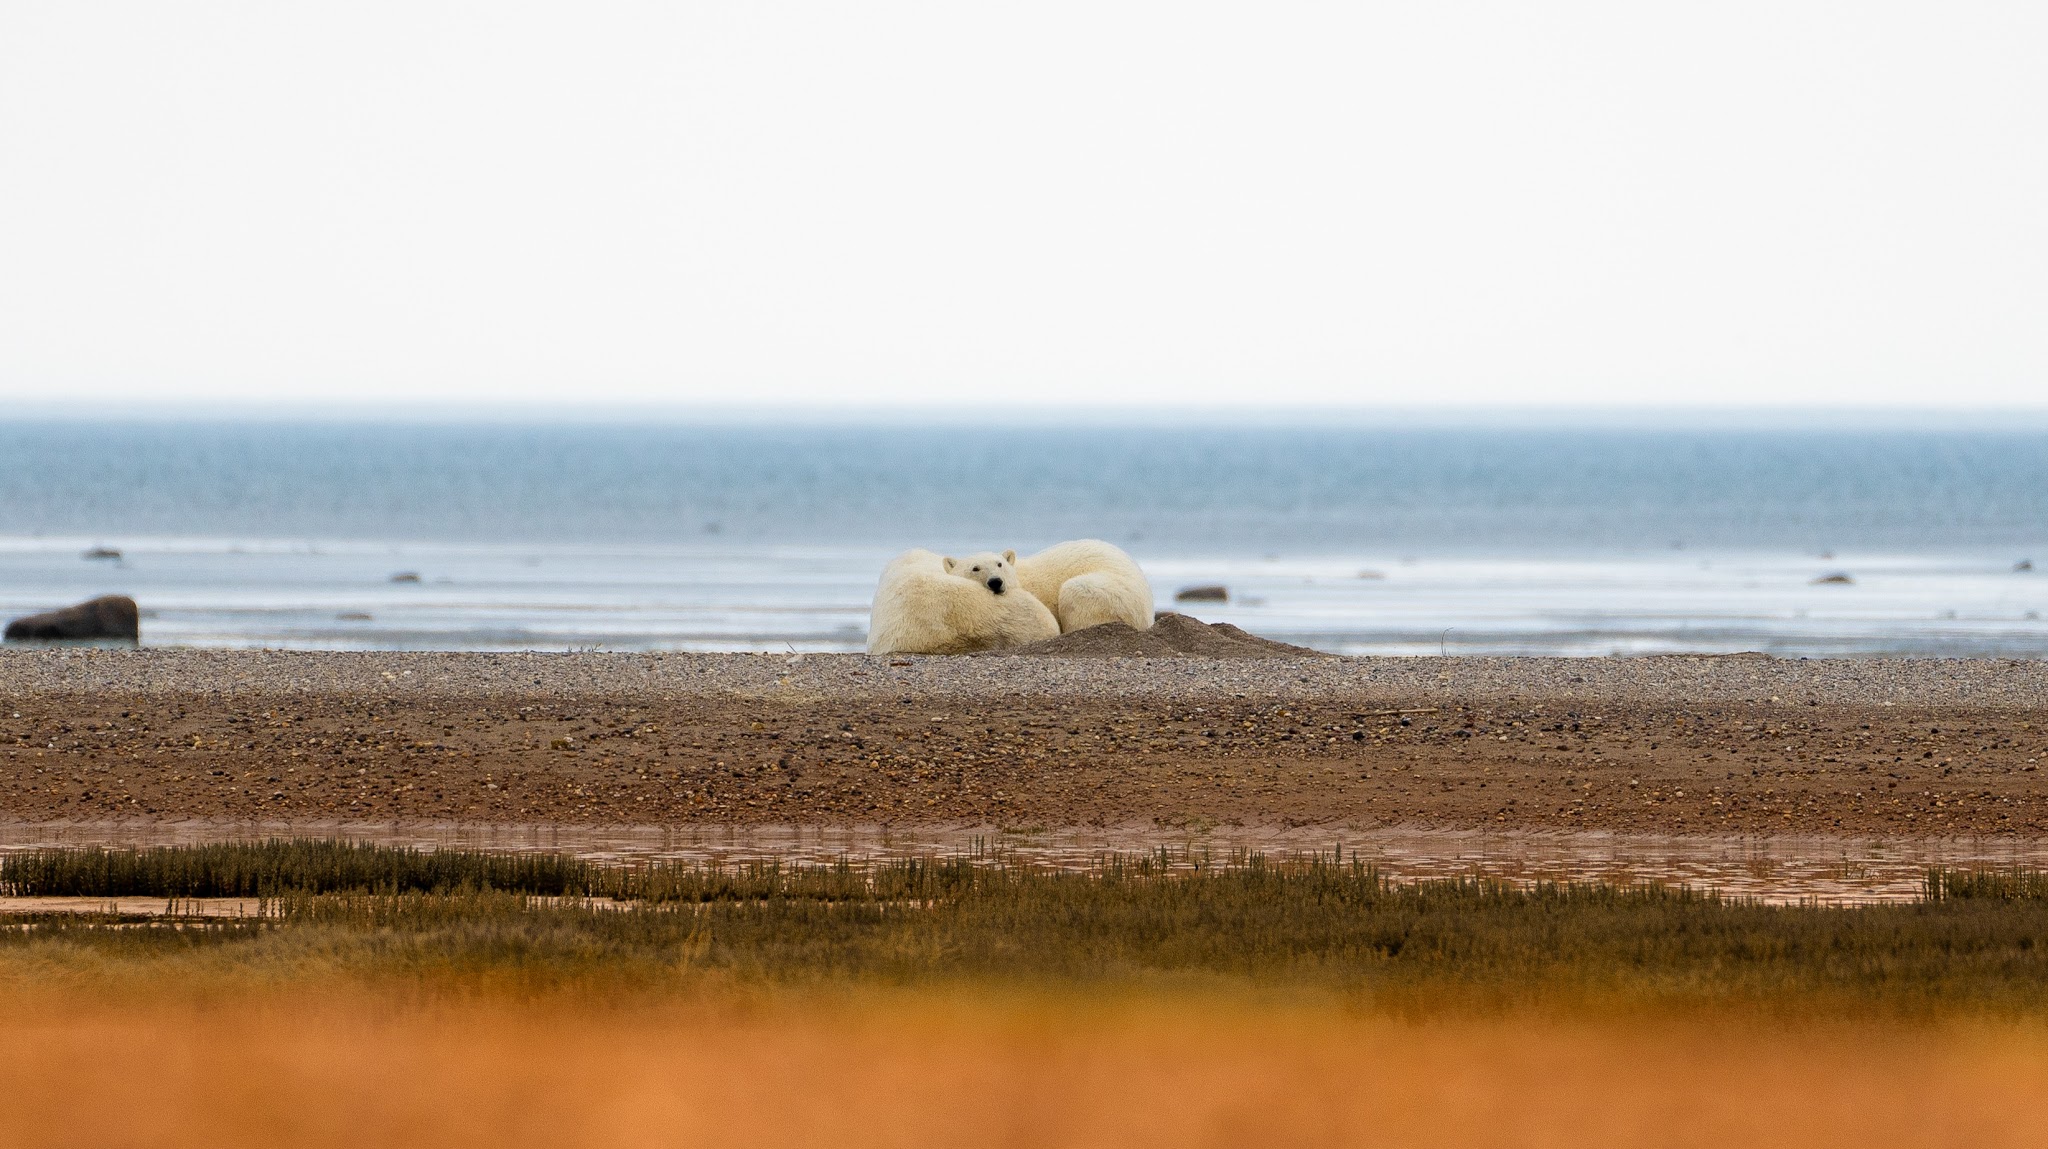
(1664, 745)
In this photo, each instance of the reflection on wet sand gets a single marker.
(182, 909)
(1826, 870)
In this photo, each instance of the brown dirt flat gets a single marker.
(1647, 745)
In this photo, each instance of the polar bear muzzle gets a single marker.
(984, 569)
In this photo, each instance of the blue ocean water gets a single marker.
(1351, 537)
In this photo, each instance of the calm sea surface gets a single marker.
(1352, 539)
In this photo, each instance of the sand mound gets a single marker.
(1172, 636)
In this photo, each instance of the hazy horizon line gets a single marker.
(1418, 416)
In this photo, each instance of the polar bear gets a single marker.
(930, 604)
(1086, 582)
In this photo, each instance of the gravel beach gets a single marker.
(1673, 745)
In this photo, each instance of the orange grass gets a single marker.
(957, 1068)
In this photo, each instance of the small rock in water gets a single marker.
(2023, 565)
(352, 616)
(111, 617)
(1211, 593)
(1372, 574)
(112, 554)
(1836, 579)
(406, 576)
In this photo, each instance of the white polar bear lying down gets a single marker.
(928, 604)
(1087, 582)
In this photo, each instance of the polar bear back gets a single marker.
(1086, 582)
(919, 608)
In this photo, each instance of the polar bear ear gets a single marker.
(1010, 557)
(951, 564)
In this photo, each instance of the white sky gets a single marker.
(1094, 203)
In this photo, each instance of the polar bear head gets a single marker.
(997, 572)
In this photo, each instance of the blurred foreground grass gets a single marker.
(961, 1065)
(386, 997)
(342, 914)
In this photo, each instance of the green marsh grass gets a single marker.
(1978, 942)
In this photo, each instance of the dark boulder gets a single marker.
(112, 617)
(1202, 594)
(1836, 579)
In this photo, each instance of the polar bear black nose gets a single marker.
(996, 585)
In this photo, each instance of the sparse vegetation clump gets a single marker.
(1979, 941)
(279, 866)
(2011, 884)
